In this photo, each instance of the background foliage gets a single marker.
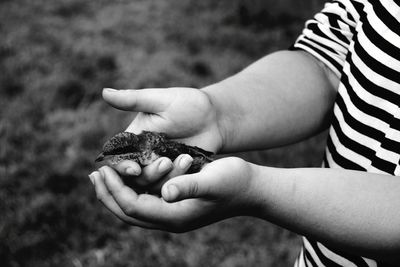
(56, 56)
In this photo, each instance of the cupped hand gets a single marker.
(152, 177)
(184, 114)
(223, 189)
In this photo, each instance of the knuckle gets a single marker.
(233, 161)
(149, 171)
(193, 188)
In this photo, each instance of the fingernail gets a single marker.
(164, 166)
(173, 192)
(185, 161)
(132, 171)
(101, 172)
(110, 89)
(91, 177)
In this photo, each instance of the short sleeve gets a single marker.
(328, 35)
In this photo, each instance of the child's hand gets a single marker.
(223, 189)
(152, 177)
(184, 114)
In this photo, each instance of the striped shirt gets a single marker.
(360, 42)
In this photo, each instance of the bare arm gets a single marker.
(280, 99)
(283, 98)
(350, 210)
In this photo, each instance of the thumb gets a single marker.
(182, 187)
(151, 100)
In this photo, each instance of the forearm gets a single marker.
(350, 210)
(280, 99)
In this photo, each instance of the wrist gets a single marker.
(254, 197)
(241, 187)
(213, 94)
(272, 190)
(258, 191)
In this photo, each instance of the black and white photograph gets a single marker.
(209, 133)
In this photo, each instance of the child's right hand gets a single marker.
(184, 114)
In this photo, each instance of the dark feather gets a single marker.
(146, 147)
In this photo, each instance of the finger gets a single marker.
(155, 171)
(108, 201)
(127, 168)
(144, 207)
(181, 165)
(183, 187)
(177, 217)
(151, 100)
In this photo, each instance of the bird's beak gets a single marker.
(100, 157)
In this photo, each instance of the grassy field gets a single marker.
(56, 56)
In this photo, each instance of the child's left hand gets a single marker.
(222, 189)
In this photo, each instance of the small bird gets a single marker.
(146, 147)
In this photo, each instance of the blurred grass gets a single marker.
(56, 56)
